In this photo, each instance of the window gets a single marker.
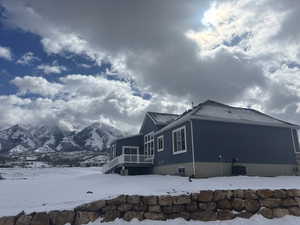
(149, 144)
(160, 143)
(179, 140)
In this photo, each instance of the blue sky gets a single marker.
(70, 63)
(21, 42)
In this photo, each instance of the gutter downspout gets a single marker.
(193, 152)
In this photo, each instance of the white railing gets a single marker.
(127, 158)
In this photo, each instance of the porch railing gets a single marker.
(127, 158)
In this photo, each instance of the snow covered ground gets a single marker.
(47, 189)
(255, 220)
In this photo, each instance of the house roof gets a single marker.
(121, 138)
(212, 110)
(161, 118)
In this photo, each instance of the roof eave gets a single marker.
(192, 117)
(244, 122)
(122, 138)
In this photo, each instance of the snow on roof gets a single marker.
(218, 110)
(211, 110)
(162, 118)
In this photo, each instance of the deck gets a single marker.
(128, 160)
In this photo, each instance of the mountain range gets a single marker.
(43, 139)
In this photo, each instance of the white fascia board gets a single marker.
(242, 121)
(194, 117)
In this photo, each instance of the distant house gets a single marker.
(99, 160)
(212, 139)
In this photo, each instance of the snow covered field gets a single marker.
(255, 220)
(63, 188)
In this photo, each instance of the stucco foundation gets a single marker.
(224, 169)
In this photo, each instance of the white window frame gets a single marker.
(185, 144)
(148, 140)
(162, 143)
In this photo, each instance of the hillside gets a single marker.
(44, 139)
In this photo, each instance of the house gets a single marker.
(98, 160)
(212, 139)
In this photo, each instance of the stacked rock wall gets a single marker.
(204, 206)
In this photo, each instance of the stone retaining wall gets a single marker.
(203, 206)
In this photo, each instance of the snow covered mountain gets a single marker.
(97, 136)
(17, 139)
(43, 139)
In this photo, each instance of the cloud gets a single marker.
(236, 51)
(27, 59)
(79, 100)
(5, 53)
(49, 69)
(36, 85)
(84, 65)
(154, 52)
(265, 34)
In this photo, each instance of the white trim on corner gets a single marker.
(163, 143)
(185, 144)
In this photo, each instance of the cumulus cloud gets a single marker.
(27, 59)
(49, 69)
(236, 51)
(79, 100)
(5, 53)
(36, 85)
(153, 50)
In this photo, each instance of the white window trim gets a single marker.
(173, 144)
(150, 134)
(163, 143)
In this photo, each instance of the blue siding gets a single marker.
(248, 143)
(130, 141)
(166, 156)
